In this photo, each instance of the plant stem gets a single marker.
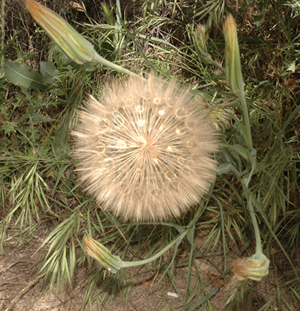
(248, 137)
(184, 232)
(126, 264)
(258, 248)
(100, 60)
(248, 140)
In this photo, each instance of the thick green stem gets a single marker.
(258, 248)
(248, 140)
(100, 60)
(126, 264)
(250, 206)
(248, 137)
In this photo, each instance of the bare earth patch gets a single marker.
(21, 288)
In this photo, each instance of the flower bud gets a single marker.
(233, 69)
(64, 35)
(200, 37)
(99, 252)
(253, 268)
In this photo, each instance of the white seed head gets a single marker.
(146, 149)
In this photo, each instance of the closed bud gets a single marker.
(233, 69)
(253, 268)
(200, 36)
(67, 38)
(99, 252)
(64, 35)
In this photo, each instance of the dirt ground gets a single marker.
(20, 288)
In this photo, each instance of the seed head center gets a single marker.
(148, 145)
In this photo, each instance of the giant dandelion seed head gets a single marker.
(145, 150)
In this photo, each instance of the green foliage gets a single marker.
(38, 184)
(24, 76)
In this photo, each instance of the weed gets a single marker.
(37, 179)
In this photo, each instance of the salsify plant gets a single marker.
(256, 266)
(145, 149)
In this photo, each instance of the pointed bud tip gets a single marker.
(229, 24)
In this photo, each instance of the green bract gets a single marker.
(67, 38)
(99, 252)
(253, 268)
(234, 76)
(64, 35)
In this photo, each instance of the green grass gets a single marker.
(39, 184)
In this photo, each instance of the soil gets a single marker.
(21, 288)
